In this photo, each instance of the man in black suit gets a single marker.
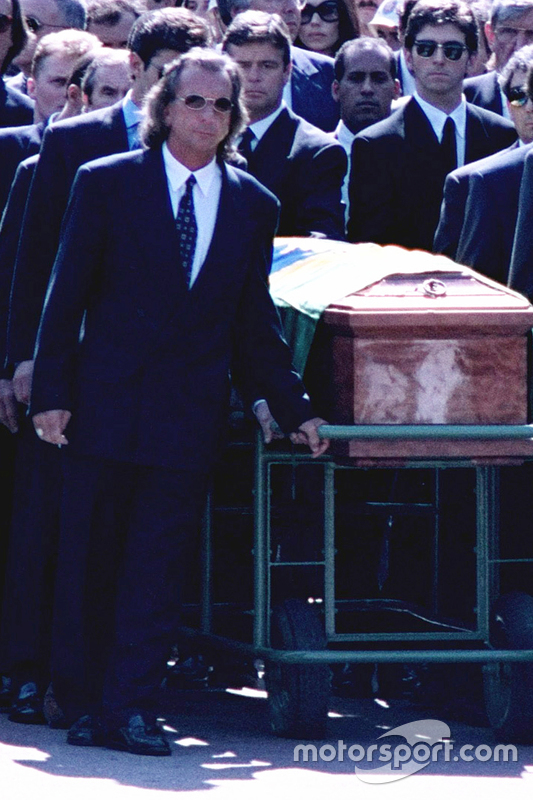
(308, 91)
(480, 203)
(510, 27)
(521, 264)
(399, 165)
(156, 39)
(141, 401)
(53, 63)
(303, 166)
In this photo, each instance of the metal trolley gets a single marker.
(298, 645)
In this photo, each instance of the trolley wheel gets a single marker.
(508, 687)
(298, 694)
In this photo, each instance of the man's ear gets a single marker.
(397, 89)
(335, 90)
(137, 65)
(31, 87)
(489, 33)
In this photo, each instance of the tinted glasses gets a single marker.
(195, 101)
(452, 50)
(327, 11)
(35, 24)
(517, 96)
(5, 22)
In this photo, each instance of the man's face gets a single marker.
(43, 16)
(5, 34)
(507, 37)
(265, 76)
(196, 134)
(146, 76)
(49, 87)
(366, 10)
(288, 10)
(111, 82)
(438, 77)
(522, 116)
(114, 35)
(366, 90)
(389, 35)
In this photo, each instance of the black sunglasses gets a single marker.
(517, 97)
(452, 50)
(35, 25)
(195, 101)
(5, 22)
(327, 11)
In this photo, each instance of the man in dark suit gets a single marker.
(510, 27)
(308, 92)
(156, 38)
(479, 207)
(521, 264)
(399, 165)
(143, 397)
(303, 166)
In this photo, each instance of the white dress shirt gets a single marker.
(345, 137)
(133, 115)
(206, 198)
(260, 127)
(437, 119)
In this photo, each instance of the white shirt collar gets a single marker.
(260, 127)
(344, 135)
(438, 118)
(177, 174)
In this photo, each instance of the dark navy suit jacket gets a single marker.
(304, 167)
(452, 212)
(397, 176)
(16, 144)
(311, 79)
(521, 266)
(66, 146)
(149, 381)
(484, 91)
(15, 108)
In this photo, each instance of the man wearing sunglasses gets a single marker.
(303, 166)
(509, 29)
(164, 256)
(157, 38)
(480, 204)
(400, 164)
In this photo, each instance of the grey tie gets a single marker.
(187, 228)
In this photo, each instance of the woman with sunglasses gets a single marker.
(325, 26)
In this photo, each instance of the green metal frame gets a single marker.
(487, 555)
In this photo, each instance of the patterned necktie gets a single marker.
(245, 146)
(187, 229)
(448, 146)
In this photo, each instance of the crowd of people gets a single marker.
(148, 156)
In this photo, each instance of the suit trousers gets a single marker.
(127, 532)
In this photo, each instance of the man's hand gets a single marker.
(22, 380)
(8, 405)
(307, 434)
(49, 426)
(268, 424)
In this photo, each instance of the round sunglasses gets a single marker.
(195, 101)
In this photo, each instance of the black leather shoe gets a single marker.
(28, 707)
(87, 731)
(139, 737)
(6, 693)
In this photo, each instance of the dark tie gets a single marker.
(187, 228)
(245, 147)
(448, 146)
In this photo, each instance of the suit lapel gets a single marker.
(267, 162)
